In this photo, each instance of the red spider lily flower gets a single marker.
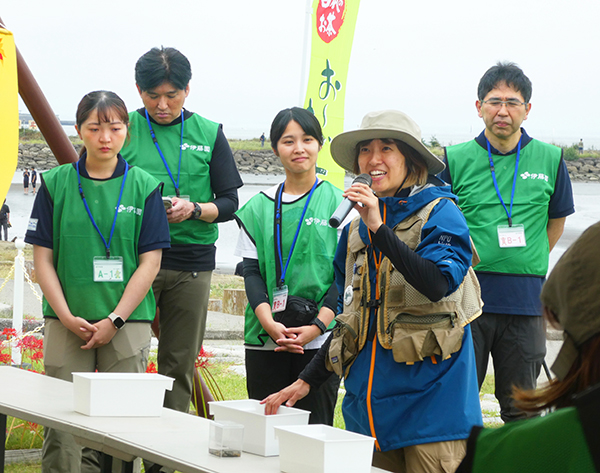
(151, 368)
(202, 361)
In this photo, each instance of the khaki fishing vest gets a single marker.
(408, 323)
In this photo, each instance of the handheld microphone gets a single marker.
(346, 206)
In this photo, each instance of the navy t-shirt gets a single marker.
(513, 294)
(154, 234)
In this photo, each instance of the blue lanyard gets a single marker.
(512, 195)
(112, 230)
(278, 229)
(153, 135)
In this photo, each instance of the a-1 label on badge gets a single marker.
(108, 269)
(280, 296)
(511, 237)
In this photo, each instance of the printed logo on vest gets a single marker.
(316, 221)
(540, 176)
(130, 209)
(201, 148)
(32, 225)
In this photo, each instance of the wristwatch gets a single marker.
(116, 320)
(196, 212)
(321, 326)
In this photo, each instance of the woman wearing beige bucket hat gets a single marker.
(567, 440)
(408, 292)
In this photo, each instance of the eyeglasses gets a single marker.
(510, 103)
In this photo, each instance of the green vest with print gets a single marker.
(310, 272)
(76, 242)
(555, 442)
(472, 182)
(199, 139)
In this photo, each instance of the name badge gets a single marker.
(280, 296)
(511, 237)
(108, 269)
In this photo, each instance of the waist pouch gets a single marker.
(344, 343)
(298, 312)
(415, 337)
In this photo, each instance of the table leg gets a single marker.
(2, 440)
(127, 467)
(105, 463)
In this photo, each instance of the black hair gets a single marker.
(304, 118)
(106, 103)
(162, 65)
(509, 73)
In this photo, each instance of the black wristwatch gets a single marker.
(117, 321)
(319, 324)
(196, 212)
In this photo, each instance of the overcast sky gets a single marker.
(423, 57)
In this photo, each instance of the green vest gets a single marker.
(472, 182)
(76, 242)
(555, 442)
(310, 272)
(199, 139)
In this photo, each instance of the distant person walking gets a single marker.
(4, 220)
(262, 140)
(33, 179)
(580, 146)
(26, 181)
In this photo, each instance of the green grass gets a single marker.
(248, 145)
(23, 468)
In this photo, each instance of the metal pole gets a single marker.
(42, 113)
(18, 301)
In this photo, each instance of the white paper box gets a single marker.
(259, 436)
(323, 449)
(120, 394)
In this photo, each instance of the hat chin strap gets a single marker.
(401, 185)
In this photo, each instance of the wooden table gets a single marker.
(174, 439)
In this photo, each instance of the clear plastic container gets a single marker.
(225, 439)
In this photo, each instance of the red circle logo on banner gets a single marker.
(330, 17)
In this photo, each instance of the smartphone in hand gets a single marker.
(168, 203)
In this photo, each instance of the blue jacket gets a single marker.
(423, 402)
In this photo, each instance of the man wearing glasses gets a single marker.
(515, 193)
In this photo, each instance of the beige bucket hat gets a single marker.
(571, 292)
(391, 124)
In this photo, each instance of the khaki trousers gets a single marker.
(126, 353)
(438, 457)
(182, 297)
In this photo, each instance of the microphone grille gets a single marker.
(364, 179)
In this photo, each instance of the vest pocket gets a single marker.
(415, 337)
(344, 343)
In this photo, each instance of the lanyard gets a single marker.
(153, 135)
(512, 195)
(112, 230)
(279, 260)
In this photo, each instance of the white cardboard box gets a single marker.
(323, 449)
(259, 436)
(120, 394)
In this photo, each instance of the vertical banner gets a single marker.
(9, 115)
(333, 24)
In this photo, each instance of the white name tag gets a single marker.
(108, 269)
(280, 296)
(511, 237)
